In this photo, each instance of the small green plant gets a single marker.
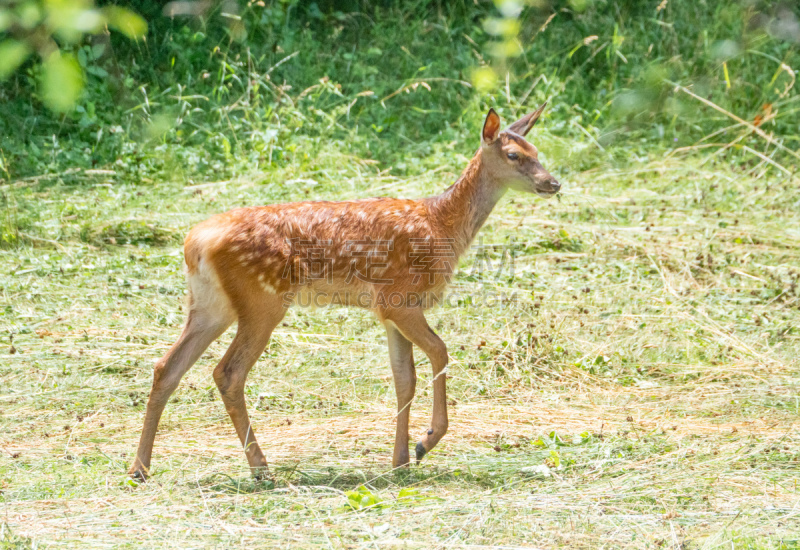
(363, 498)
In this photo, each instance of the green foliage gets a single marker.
(212, 94)
(51, 29)
(362, 498)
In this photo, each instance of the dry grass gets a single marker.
(640, 391)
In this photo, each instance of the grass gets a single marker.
(624, 370)
(639, 391)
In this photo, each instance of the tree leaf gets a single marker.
(12, 54)
(62, 82)
(125, 21)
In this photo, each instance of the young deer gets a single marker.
(391, 256)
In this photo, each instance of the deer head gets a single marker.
(513, 162)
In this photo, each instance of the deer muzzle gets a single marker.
(548, 187)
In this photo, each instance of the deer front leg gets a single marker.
(411, 322)
(401, 358)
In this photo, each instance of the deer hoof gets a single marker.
(138, 475)
(420, 450)
(261, 473)
(138, 472)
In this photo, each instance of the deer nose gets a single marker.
(555, 186)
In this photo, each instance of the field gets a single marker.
(638, 388)
(623, 372)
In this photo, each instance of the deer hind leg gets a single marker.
(401, 358)
(209, 315)
(256, 324)
(412, 323)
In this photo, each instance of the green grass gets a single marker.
(634, 386)
(639, 392)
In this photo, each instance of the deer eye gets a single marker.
(513, 156)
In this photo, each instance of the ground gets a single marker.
(624, 375)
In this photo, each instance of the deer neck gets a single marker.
(463, 208)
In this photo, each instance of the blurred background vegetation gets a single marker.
(198, 90)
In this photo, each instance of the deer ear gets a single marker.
(491, 127)
(524, 125)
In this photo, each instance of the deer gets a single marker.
(391, 256)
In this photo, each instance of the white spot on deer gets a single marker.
(268, 287)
